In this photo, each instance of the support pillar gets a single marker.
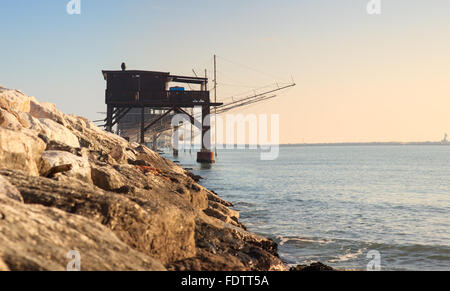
(109, 117)
(175, 142)
(143, 125)
(155, 142)
(205, 156)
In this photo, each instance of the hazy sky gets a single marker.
(360, 77)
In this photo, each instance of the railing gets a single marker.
(148, 97)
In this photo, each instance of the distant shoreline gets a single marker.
(428, 143)
(368, 144)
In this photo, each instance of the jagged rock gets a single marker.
(223, 213)
(107, 178)
(77, 123)
(106, 159)
(133, 207)
(139, 163)
(17, 101)
(214, 197)
(80, 166)
(161, 226)
(9, 121)
(53, 145)
(119, 154)
(314, 267)
(196, 178)
(31, 122)
(7, 106)
(146, 154)
(92, 137)
(224, 245)
(59, 133)
(35, 238)
(206, 261)
(20, 150)
(9, 190)
(223, 209)
(135, 177)
(57, 169)
(161, 182)
(46, 111)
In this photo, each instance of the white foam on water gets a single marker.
(284, 240)
(348, 256)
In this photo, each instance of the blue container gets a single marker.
(177, 89)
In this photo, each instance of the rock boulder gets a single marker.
(161, 227)
(37, 238)
(59, 133)
(20, 150)
(81, 168)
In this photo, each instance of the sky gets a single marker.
(360, 77)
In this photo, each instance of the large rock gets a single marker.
(91, 136)
(20, 150)
(207, 261)
(9, 190)
(59, 133)
(9, 121)
(16, 100)
(165, 182)
(30, 122)
(81, 168)
(160, 226)
(119, 153)
(119, 211)
(34, 238)
(46, 110)
(314, 267)
(223, 213)
(146, 154)
(229, 248)
(107, 178)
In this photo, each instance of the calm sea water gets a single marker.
(334, 204)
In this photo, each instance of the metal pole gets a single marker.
(215, 101)
(192, 132)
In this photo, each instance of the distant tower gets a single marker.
(124, 67)
(445, 140)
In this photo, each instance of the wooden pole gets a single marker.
(143, 125)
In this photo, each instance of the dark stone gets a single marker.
(314, 267)
(139, 163)
(195, 187)
(84, 143)
(44, 138)
(58, 146)
(194, 177)
(124, 190)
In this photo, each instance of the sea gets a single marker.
(359, 207)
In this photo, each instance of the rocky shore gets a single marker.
(65, 185)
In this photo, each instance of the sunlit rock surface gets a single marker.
(66, 184)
